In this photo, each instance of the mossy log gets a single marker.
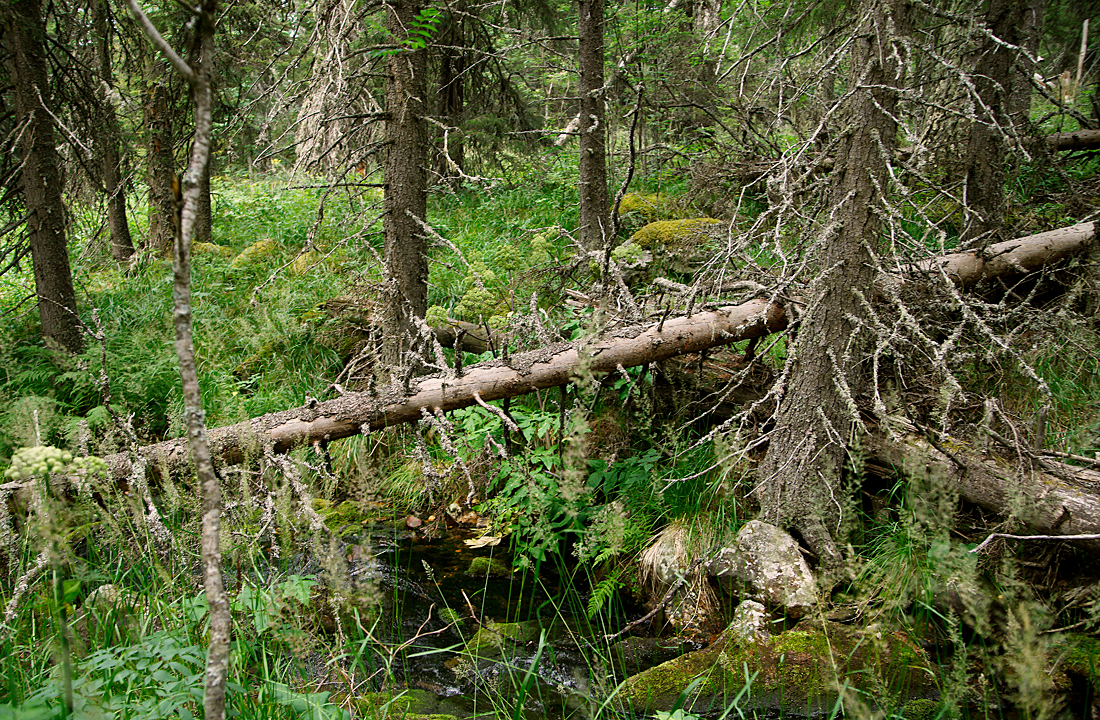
(1050, 499)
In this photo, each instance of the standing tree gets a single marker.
(109, 139)
(24, 35)
(198, 76)
(799, 479)
(406, 172)
(995, 67)
(595, 215)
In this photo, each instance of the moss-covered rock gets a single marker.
(305, 262)
(347, 518)
(652, 206)
(674, 235)
(798, 672)
(488, 567)
(410, 704)
(205, 248)
(255, 253)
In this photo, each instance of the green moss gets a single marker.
(345, 518)
(673, 234)
(921, 709)
(652, 206)
(1080, 655)
(205, 248)
(255, 253)
(488, 567)
(800, 668)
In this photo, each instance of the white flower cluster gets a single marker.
(46, 459)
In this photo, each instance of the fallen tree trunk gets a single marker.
(1076, 140)
(523, 373)
(1046, 503)
(1004, 259)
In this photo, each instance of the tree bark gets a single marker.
(799, 479)
(406, 176)
(109, 140)
(987, 151)
(1076, 140)
(199, 79)
(522, 373)
(595, 212)
(1011, 257)
(1046, 503)
(161, 162)
(24, 32)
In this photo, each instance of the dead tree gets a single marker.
(799, 480)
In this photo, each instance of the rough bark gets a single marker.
(108, 140)
(406, 176)
(24, 35)
(799, 479)
(522, 373)
(1043, 501)
(161, 162)
(595, 212)
(987, 151)
(199, 79)
(1005, 259)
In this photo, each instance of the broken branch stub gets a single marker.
(522, 373)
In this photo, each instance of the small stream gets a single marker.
(473, 637)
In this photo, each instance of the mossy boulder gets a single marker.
(205, 248)
(306, 262)
(491, 638)
(347, 518)
(488, 567)
(255, 253)
(651, 207)
(799, 672)
(675, 235)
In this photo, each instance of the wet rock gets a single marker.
(413, 521)
(765, 565)
(798, 673)
(750, 622)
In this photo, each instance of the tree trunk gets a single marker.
(406, 176)
(799, 479)
(595, 212)
(161, 159)
(24, 34)
(451, 162)
(523, 373)
(198, 78)
(204, 213)
(987, 151)
(109, 140)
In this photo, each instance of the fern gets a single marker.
(602, 593)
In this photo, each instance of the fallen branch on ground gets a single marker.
(1047, 504)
